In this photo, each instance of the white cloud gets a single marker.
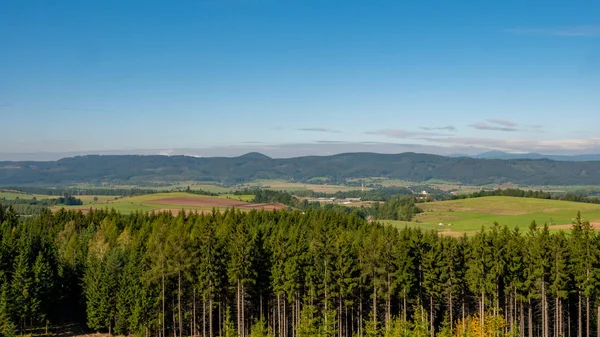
(317, 129)
(402, 134)
(563, 146)
(502, 122)
(439, 128)
(490, 127)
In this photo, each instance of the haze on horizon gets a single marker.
(288, 78)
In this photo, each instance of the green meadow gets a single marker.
(470, 215)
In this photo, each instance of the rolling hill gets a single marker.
(533, 155)
(141, 170)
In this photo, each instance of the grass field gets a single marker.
(469, 215)
(171, 201)
(11, 195)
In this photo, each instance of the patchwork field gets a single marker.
(177, 201)
(470, 215)
(208, 186)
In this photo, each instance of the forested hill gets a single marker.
(407, 166)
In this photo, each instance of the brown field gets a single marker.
(174, 211)
(595, 225)
(213, 202)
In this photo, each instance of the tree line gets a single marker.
(378, 194)
(293, 273)
(36, 206)
(395, 208)
(515, 192)
(75, 191)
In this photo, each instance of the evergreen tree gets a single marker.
(43, 284)
(584, 258)
(478, 264)
(21, 289)
(7, 326)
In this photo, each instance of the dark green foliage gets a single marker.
(287, 273)
(403, 208)
(377, 194)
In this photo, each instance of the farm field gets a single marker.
(208, 186)
(175, 201)
(282, 185)
(435, 183)
(470, 215)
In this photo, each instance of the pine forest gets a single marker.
(292, 274)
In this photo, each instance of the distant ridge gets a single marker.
(255, 155)
(533, 155)
(146, 170)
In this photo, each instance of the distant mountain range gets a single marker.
(144, 170)
(505, 155)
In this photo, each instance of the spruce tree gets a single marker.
(21, 289)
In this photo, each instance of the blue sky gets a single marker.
(299, 77)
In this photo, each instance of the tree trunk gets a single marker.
(374, 302)
(556, 316)
(579, 319)
(598, 321)
(522, 321)
(243, 314)
(279, 315)
(179, 303)
(482, 314)
(463, 316)
(587, 316)
(506, 312)
(431, 316)
(210, 317)
(326, 300)
(360, 314)
(388, 311)
(285, 318)
(544, 311)
(530, 323)
(451, 320)
(340, 320)
(347, 333)
(559, 323)
(569, 317)
(299, 305)
(510, 312)
(163, 306)
(174, 320)
(238, 307)
(294, 322)
(204, 317)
